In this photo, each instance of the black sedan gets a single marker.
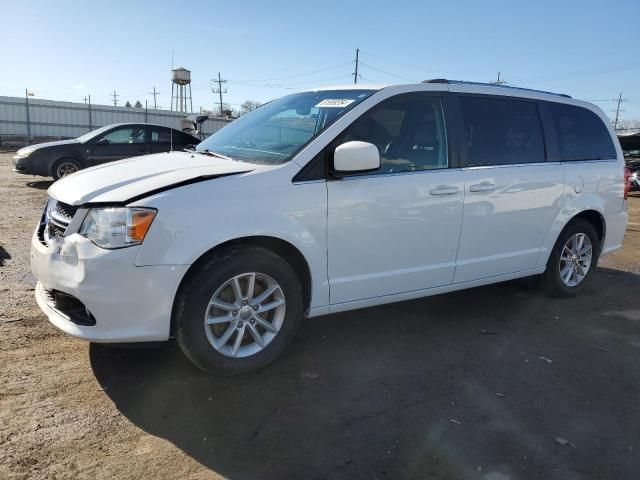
(106, 144)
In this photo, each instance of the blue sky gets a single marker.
(66, 49)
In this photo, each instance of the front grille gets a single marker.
(65, 210)
(55, 220)
(56, 231)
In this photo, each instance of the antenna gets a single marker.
(499, 82)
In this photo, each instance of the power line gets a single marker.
(296, 75)
(583, 73)
(115, 98)
(290, 86)
(388, 73)
(420, 67)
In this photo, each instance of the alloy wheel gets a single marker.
(65, 169)
(244, 315)
(575, 259)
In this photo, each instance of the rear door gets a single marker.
(121, 142)
(588, 155)
(512, 194)
(396, 229)
(160, 139)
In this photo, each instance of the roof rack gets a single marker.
(483, 84)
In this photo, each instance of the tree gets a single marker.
(248, 105)
(128, 104)
(138, 104)
(227, 111)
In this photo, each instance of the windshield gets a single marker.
(275, 132)
(93, 133)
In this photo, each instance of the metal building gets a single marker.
(50, 119)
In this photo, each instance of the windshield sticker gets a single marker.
(335, 102)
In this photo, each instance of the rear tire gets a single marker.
(569, 269)
(64, 167)
(225, 278)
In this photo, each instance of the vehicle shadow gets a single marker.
(431, 387)
(4, 255)
(40, 184)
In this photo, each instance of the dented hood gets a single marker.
(132, 178)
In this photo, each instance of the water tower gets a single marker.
(180, 83)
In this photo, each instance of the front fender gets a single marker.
(193, 219)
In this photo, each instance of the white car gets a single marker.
(325, 201)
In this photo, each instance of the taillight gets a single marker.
(627, 175)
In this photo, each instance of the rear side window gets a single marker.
(581, 134)
(501, 131)
(160, 135)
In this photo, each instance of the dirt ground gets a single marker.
(480, 384)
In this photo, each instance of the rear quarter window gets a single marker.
(581, 134)
(501, 131)
(188, 139)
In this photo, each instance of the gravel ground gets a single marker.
(482, 384)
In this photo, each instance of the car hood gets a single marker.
(40, 146)
(126, 180)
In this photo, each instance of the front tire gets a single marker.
(238, 311)
(573, 260)
(64, 167)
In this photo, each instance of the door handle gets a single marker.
(443, 190)
(482, 187)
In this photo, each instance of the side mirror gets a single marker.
(356, 157)
(103, 141)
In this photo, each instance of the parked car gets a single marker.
(633, 167)
(106, 144)
(326, 201)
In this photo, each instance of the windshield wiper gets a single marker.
(206, 151)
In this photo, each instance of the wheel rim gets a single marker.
(575, 259)
(244, 315)
(65, 169)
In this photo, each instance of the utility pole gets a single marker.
(620, 100)
(115, 98)
(90, 120)
(355, 74)
(155, 94)
(26, 99)
(219, 90)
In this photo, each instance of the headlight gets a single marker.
(117, 227)
(24, 152)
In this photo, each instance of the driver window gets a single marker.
(125, 135)
(408, 130)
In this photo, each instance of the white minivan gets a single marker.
(325, 201)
